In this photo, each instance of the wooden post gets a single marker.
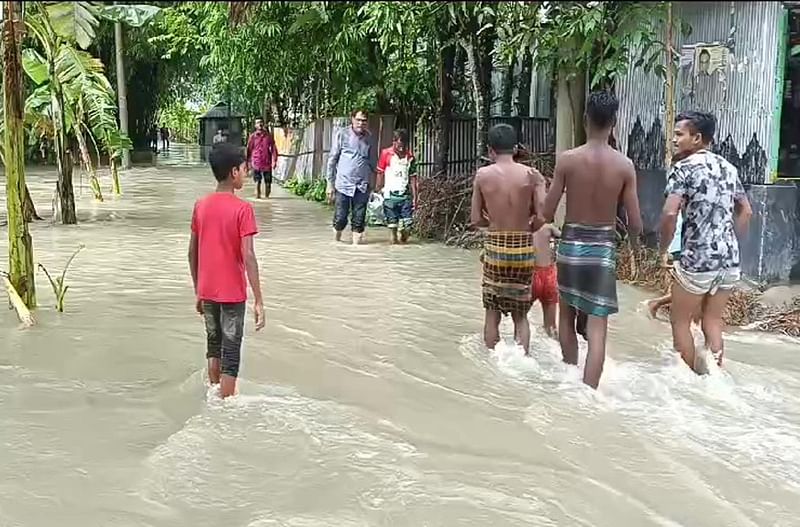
(669, 93)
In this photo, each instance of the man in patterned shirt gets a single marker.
(716, 209)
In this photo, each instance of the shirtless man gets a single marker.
(596, 177)
(507, 197)
(545, 281)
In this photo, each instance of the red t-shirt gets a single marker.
(220, 221)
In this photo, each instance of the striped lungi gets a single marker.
(508, 262)
(587, 268)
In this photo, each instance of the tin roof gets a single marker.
(220, 111)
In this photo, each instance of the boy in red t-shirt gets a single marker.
(220, 254)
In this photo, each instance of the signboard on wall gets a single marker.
(705, 59)
(710, 59)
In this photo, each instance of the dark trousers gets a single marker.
(266, 177)
(224, 331)
(355, 207)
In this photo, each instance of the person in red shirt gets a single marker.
(396, 179)
(262, 154)
(220, 255)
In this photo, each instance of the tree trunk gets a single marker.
(66, 195)
(122, 92)
(480, 61)
(20, 245)
(525, 81)
(569, 121)
(447, 59)
(507, 101)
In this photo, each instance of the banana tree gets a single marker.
(59, 27)
(20, 246)
(42, 24)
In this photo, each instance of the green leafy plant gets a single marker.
(59, 285)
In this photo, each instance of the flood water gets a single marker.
(368, 400)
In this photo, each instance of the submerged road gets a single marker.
(368, 400)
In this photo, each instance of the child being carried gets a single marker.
(545, 278)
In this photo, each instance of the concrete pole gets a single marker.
(122, 91)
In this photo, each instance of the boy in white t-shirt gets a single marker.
(397, 179)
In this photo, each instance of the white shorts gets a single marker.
(706, 283)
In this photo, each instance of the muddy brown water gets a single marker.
(367, 401)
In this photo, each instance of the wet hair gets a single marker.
(502, 138)
(224, 157)
(702, 123)
(601, 109)
(401, 134)
(359, 111)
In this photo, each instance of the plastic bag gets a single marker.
(375, 210)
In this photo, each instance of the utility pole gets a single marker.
(122, 90)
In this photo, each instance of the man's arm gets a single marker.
(251, 267)
(193, 251)
(676, 191)
(539, 193)
(742, 210)
(630, 200)
(193, 260)
(556, 189)
(477, 219)
(333, 160)
(249, 147)
(274, 152)
(555, 231)
(380, 174)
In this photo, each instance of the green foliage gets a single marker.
(312, 191)
(604, 38)
(181, 121)
(59, 284)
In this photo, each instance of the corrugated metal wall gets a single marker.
(743, 98)
(534, 132)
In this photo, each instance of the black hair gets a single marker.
(401, 134)
(601, 109)
(502, 138)
(702, 123)
(224, 157)
(706, 52)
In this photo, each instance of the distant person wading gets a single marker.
(262, 155)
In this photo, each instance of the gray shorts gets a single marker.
(224, 331)
(706, 283)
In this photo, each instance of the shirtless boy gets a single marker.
(545, 278)
(595, 177)
(506, 198)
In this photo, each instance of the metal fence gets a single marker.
(303, 152)
(535, 133)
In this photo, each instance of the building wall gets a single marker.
(745, 99)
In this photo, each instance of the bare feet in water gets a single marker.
(652, 309)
